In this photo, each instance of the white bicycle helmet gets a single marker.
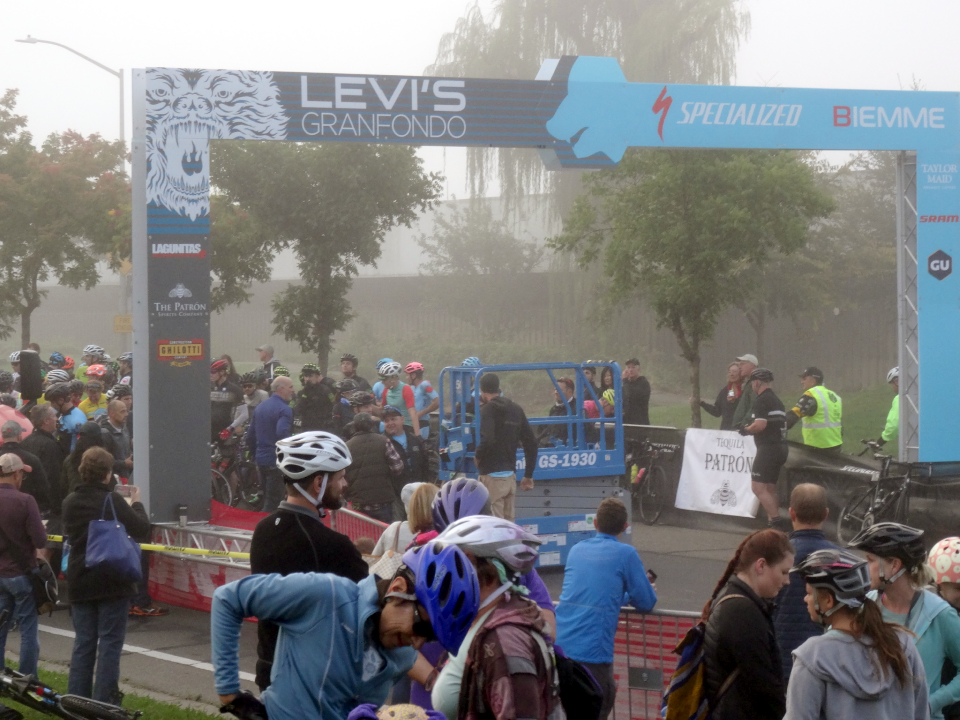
(58, 376)
(494, 538)
(893, 374)
(15, 356)
(308, 453)
(390, 369)
(95, 350)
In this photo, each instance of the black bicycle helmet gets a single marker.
(57, 390)
(119, 391)
(893, 540)
(351, 358)
(6, 380)
(844, 574)
(761, 374)
(347, 385)
(361, 399)
(77, 386)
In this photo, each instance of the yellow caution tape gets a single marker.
(178, 550)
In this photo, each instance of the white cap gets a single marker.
(749, 358)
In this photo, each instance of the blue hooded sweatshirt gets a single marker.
(328, 658)
(937, 627)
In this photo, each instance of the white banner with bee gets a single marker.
(716, 473)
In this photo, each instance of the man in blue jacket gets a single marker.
(602, 574)
(272, 421)
(808, 512)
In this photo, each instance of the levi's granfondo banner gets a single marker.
(579, 112)
(716, 473)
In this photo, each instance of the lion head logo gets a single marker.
(188, 108)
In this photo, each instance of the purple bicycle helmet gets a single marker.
(459, 498)
(447, 587)
(494, 538)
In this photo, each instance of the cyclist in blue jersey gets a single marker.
(378, 385)
(70, 417)
(399, 394)
(341, 643)
(425, 398)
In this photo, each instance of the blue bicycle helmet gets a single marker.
(471, 362)
(447, 587)
(383, 361)
(459, 498)
(57, 359)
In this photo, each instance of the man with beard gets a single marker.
(294, 539)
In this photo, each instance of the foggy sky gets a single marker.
(809, 43)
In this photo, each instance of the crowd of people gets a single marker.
(449, 618)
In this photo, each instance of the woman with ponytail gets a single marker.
(862, 667)
(743, 671)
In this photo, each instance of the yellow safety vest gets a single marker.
(822, 430)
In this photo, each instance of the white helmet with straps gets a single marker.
(308, 453)
(894, 374)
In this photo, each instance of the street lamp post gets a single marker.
(124, 278)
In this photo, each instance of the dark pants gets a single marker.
(274, 491)
(101, 628)
(16, 596)
(603, 674)
(142, 599)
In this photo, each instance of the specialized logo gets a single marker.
(180, 291)
(166, 250)
(662, 106)
(188, 108)
(939, 218)
(871, 116)
(940, 265)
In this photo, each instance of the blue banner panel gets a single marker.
(938, 299)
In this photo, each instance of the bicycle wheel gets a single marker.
(220, 488)
(857, 514)
(93, 710)
(249, 489)
(651, 495)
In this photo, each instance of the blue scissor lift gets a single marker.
(570, 478)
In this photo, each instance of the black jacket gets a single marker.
(291, 540)
(740, 635)
(503, 429)
(369, 479)
(46, 447)
(314, 407)
(415, 461)
(35, 482)
(723, 408)
(636, 401)
(791, 621)
(79, 508)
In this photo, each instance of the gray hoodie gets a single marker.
(835, 677)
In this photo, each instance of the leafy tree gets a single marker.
(60, 210)
(471, 242)
(332, 204)
(664, 41)
(850, 257)
(241, 253)
(687, 231)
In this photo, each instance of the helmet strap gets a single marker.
(884, 582)
(505, 587)
(316, 502)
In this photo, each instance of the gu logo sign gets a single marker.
(940, 265)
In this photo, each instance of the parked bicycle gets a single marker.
(886, 499)
(234, 476)
(649, 486)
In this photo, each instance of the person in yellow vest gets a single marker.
(821, 411)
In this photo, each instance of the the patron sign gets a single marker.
(716, 473)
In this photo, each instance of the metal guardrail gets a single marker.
(643, 659)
